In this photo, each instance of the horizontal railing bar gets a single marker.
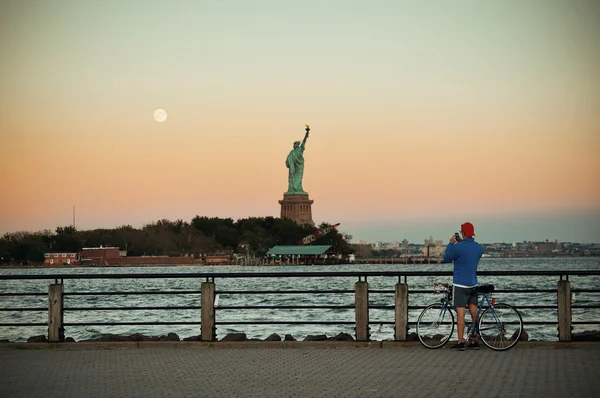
(257, 323)
(126, 323)
(259, 307)
(585, 291)
(282, 291)
(124, 293)
(304, 274)
(532, 307)
(497, 291)
(518, 307)
(524, 323)
(256, 307)
(22, 294)
(370, 323)
(277, 292)
(175, 292)
(262, 307)
(585, 306)
(189, 307)
(285, 323)
(282, 307)
(585, 323)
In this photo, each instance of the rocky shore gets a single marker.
(593, 335)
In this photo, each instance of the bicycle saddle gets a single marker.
(485, 288)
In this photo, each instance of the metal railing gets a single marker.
(208, 293)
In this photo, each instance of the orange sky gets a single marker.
(415, 111)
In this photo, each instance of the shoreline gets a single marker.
(385, 344)
(357, 262)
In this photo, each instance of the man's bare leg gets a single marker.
(473, 311)
(460, 323)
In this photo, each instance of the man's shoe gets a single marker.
(474, 345)
(459, 346)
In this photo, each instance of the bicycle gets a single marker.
(498, 325)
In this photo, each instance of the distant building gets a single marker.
(433, 248)
(303, 254)
(362, 250)
(392, 246)
(546, 247)
(60, 258)
(99, 255)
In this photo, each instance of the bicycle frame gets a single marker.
(471, 326)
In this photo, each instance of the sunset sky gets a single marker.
(423, 114)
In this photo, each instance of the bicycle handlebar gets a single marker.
(441, 287)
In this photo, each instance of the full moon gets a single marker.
(160, 115)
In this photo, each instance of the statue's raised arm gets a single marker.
(305, 136)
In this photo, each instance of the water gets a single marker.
(378, 332)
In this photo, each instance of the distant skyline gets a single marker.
(423, 114)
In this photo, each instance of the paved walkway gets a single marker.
(301, 371)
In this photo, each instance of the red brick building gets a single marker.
(100, 255)
(60, 258)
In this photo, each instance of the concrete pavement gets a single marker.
(296, 370)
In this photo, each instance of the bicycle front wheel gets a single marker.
(500, 327)
(435, 326)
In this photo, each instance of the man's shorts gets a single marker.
(461, 296)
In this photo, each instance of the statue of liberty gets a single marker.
(295, 164)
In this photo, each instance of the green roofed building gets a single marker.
(298, 250)
(321, 254)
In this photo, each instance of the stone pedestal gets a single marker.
(297, 206)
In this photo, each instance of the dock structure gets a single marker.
(399, 260)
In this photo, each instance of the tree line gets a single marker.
(200, 236)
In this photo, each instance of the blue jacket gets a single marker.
(466, 255)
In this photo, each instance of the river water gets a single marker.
(377, 316)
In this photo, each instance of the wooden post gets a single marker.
(207, 311)
(361, 305)
(564, 310)
(401, 312)
(56, 331)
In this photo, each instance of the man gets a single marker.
(466, 254)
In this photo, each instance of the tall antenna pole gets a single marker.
(73, 216)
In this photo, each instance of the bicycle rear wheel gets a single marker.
(500, 327)
(435, 326)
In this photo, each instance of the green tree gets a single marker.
(66, 240)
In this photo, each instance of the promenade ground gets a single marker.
(344, 369)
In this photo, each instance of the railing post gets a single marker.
(564, 310)
(361, 305)
(56, 331)
(207, 311)
(401, 312)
